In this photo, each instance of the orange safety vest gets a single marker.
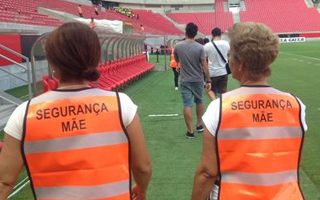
(75, 146)
(259, 142)
(173, 63)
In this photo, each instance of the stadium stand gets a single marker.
(25, 12)
(206, 20)
(282, 15)
(155, 23)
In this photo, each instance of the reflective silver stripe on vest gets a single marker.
(253, 90)
(75, 142)
(56, 95)
(83, 192)
(260, 179)
(260, 133)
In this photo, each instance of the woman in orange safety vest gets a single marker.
(175, 68)
(254, 134)
(77, 142)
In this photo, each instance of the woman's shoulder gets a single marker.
(124, 97)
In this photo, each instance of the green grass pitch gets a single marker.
(174, 158)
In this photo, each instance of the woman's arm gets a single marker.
(207, 171)
(140, 161)
(11, 164)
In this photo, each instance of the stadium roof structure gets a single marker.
(166, 2)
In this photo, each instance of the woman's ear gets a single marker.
(240, 67)
(54, 72)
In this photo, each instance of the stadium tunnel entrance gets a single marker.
(159, 48)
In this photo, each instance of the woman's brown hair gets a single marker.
(74, 49)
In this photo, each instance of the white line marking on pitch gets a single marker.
(24, 96)
(163, 115)
(18, 189)
(21, 182)
(301, 56)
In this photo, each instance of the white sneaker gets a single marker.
(176, 88)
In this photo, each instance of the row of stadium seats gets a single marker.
(205, 21)
(121, 72)
(152, 22)
(25, 12)
(282, 16)
(112, 75)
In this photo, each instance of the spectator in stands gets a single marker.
(217, 70)
(96, 10)
(80, 10)
(191, 57)
(125, 11)
(75, 140)
(92, 24)
(18, 17)
(137, 16)
(252, 157)
(141, 28)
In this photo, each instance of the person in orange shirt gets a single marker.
(77, 142)
(175, 68)
(254, 134)
(96, 11)
(141, 28)
(92, 24)
(80, 10)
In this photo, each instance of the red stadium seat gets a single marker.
(121, 72)
(45, 85)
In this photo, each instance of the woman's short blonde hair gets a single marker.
(255, 46)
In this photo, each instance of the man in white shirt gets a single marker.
(217, 69)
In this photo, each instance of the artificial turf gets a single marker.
(174, 158)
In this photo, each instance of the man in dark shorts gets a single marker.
(217, 69)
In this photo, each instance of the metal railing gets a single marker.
(25, 68)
